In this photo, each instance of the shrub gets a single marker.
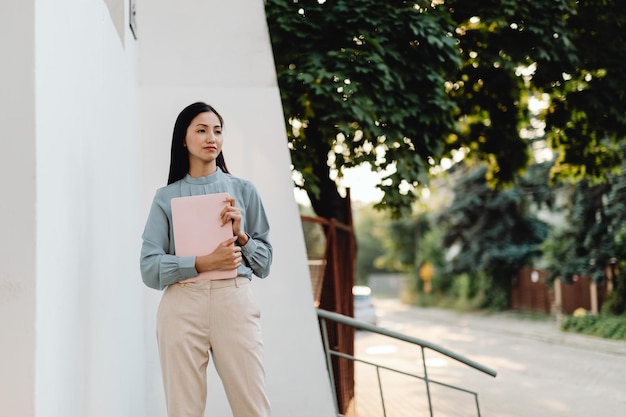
(601, 325)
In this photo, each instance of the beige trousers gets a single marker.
(219, 317)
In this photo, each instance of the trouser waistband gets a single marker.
(216, 283)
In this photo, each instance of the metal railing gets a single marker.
(324, 316)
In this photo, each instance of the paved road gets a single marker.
(542, 372)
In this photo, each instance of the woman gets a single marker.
(197, 317)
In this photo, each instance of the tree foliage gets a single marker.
(402, 243)
(491, 232)
(371, 229)
(593, 240)
(586, 120)
(401, 84)
(363, 82)
(500, 41)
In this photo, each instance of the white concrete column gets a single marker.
(17, 209)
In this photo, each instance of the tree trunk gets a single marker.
(329, 204)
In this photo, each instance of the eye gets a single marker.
(201, 130)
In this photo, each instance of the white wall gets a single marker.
(17, 209)
(77, 324)
(88, 199)
(219, 52)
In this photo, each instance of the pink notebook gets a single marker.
(198, 229)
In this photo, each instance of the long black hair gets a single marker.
(179, 160)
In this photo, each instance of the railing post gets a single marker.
(329, 364)
(380, 390)
(477, 406)
(427, 381)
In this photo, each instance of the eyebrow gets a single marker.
(205, 125)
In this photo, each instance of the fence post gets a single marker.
(558, 300)
(593, 294)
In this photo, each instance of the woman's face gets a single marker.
(204, 139)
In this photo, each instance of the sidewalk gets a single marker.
(511, 323)
(542, 371)
(527, 326)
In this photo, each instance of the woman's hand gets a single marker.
(225, 257)
(232, 213)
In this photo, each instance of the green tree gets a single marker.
(363, 82)
(404, 83)
(586, 120)
(501, 42)
(490, 232)
(580, 247)
(370, 229)
(593, 240)
(411, 242)
(616, 231)
(401, 85)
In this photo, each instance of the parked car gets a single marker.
(364, 308)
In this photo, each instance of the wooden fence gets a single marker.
(530, 291)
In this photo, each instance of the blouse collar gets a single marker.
(209, 179)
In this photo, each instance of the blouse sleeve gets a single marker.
(158, 267)
(257, 252)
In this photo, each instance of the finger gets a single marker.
(226, 217)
